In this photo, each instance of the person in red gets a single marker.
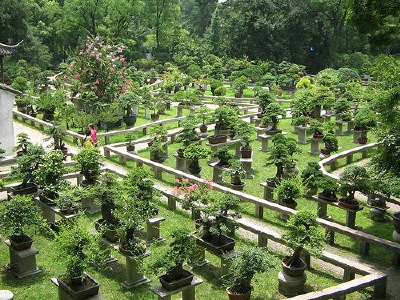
(93, 134)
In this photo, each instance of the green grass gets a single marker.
(40, 287)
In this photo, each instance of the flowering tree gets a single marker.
(192, 193)
(99, 70)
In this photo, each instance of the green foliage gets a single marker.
(248, 262)
(28, 162)
(77, 249)
(331, 142)
(196, 151)
(223, 154)
(352, 179)
(365, 119)
(311, 174)
(290, 189)
(23, 143)
(19, 214)
(271, 114)
(88, 160)
(303, 232)
(328, 185)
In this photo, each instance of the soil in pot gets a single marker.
(80, 289)
(354, 205)
(22, 242)
(174, 283)
(218, 245)
(293, 270)
(235, 296)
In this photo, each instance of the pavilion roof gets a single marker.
(8, 49)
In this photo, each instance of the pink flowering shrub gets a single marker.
(100, 69)
(192, 192)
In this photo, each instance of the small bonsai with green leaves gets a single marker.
(19, 214)
(352, 179)
(181, 249)
(329, 188)
(311, 174)
(271, 115)
(302, 233)
(224, 155)
(194, 152)
(88, 162)
(23, 143)
(249, 261)
(331, 142)
(290, 189)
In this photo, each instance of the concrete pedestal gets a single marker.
(396, 236)
(290, 285)
(356, 135)
(7, 96)
(23, 262)
(180, 163)
(264, 142)
(315, 145)
(134, 277)
(247, 166)
(188, 291)
(153, 229)
(301, 134)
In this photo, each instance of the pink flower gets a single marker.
(97, 81)
(77, 76)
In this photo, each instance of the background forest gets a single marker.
(314, 33)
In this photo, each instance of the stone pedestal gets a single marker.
(188, 291)
(350, 126)
(217, 173)
(147, 113)
(291, 285)
(180, 163)
(315, 145)
(247, 166)
(356, 135)
(153, 229)
(23, 262)
(339, 124)
(134, 275)
(396, 236)
(7, 96)
(301, 134)
(264, 142)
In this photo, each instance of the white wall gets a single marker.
(6, 121)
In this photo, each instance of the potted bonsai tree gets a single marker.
(271, 117)
(157, 151)
(316, 128)
(331, 144)
(204, 114)
(364, 120)
(288, 191)
(244, 131)
(77, 249)
(16, 216)
(181, 249)
(352, 179)
(27, 163)
(310, 176)
(129, 101)
(223, 155)
(130, 137)
(224, 117)
(264, 98)
(88, 162)
(329, 188)
(302, 233)
(240, 84)
(243, 267)
(236, 172)
(107, 193)
(48, 176)
(278, 156)
(22, 144)
(188, 134)
(194, 152)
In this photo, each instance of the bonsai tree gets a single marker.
(317, 128)
(236, 171)
(129, 138)
(188, 133)
(48, 176)
(310, 176)
(17, 215)
(181, 249)
(271, 114)
(329, 188)
(56, 132)
(138, 182)
(224, 117)
(77, 249)
(239, 85)
(302, 233)
(194, 152)
(224, 155)
(243, 267)
(204, 115)
(244, 131)
(22, 144)
(264, 98)
(157, 152)
(330, 127)
(289, 190)
(279, 156)
(352, 179)
(341, 107)
(364, 120)
(88, 162)
(106, 192)
(214, 221)
(331, 144)
(129, 101)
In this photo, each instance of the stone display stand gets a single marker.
(217, 172)
(180, 163)
(181, 107)
(340, 123)
(7, 96)
(356, 135)
(264, 142)
(301, 134)
(65, 296)
(188, 291)
(215, 147)
(23, 262)
(49, 212)
(327, 117)
(268, 191)
(315, 145)
(247, 167)
(291, 285)
(350, 213)
(153, 229)
(350, 126)
(134, 277)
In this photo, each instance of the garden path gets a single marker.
(393, 287)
